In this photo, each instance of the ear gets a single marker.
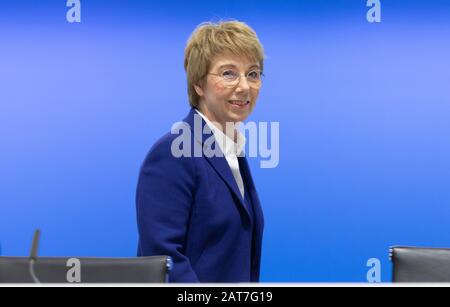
(199, 90)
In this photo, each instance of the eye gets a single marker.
(254, 75)
(230, 75)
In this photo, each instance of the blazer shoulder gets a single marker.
(161, 153)
(163, 144)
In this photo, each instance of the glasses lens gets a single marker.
(230, 75)
(254, 76)
(255, 79)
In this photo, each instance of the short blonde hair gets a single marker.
(212, 39)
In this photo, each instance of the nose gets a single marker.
(243, 83)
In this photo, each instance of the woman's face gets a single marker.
(222, 101)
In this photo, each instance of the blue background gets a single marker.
(364, 112)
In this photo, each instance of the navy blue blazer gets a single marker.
(190, 208)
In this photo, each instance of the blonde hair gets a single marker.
(212, 39)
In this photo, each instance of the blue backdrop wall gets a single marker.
(364, 112)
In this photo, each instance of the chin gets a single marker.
(238, 115)
(234, 117)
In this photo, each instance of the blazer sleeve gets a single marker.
(165, 195)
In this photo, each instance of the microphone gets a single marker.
(34, 256)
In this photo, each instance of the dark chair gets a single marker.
(92, 270)
(420, 265)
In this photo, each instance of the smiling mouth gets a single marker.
(240, 103)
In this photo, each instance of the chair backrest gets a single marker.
(420, 265)
(86, 270)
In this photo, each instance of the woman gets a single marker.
(204, 211)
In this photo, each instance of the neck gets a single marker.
(222, 126)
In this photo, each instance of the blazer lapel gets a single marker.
(259, 216)
(259, 220)
(220, 164)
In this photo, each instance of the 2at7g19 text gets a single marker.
(246, 297)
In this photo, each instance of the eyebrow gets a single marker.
(234, 66)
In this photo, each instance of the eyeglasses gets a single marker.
(232, 78)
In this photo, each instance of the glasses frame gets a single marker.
(235, 83)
